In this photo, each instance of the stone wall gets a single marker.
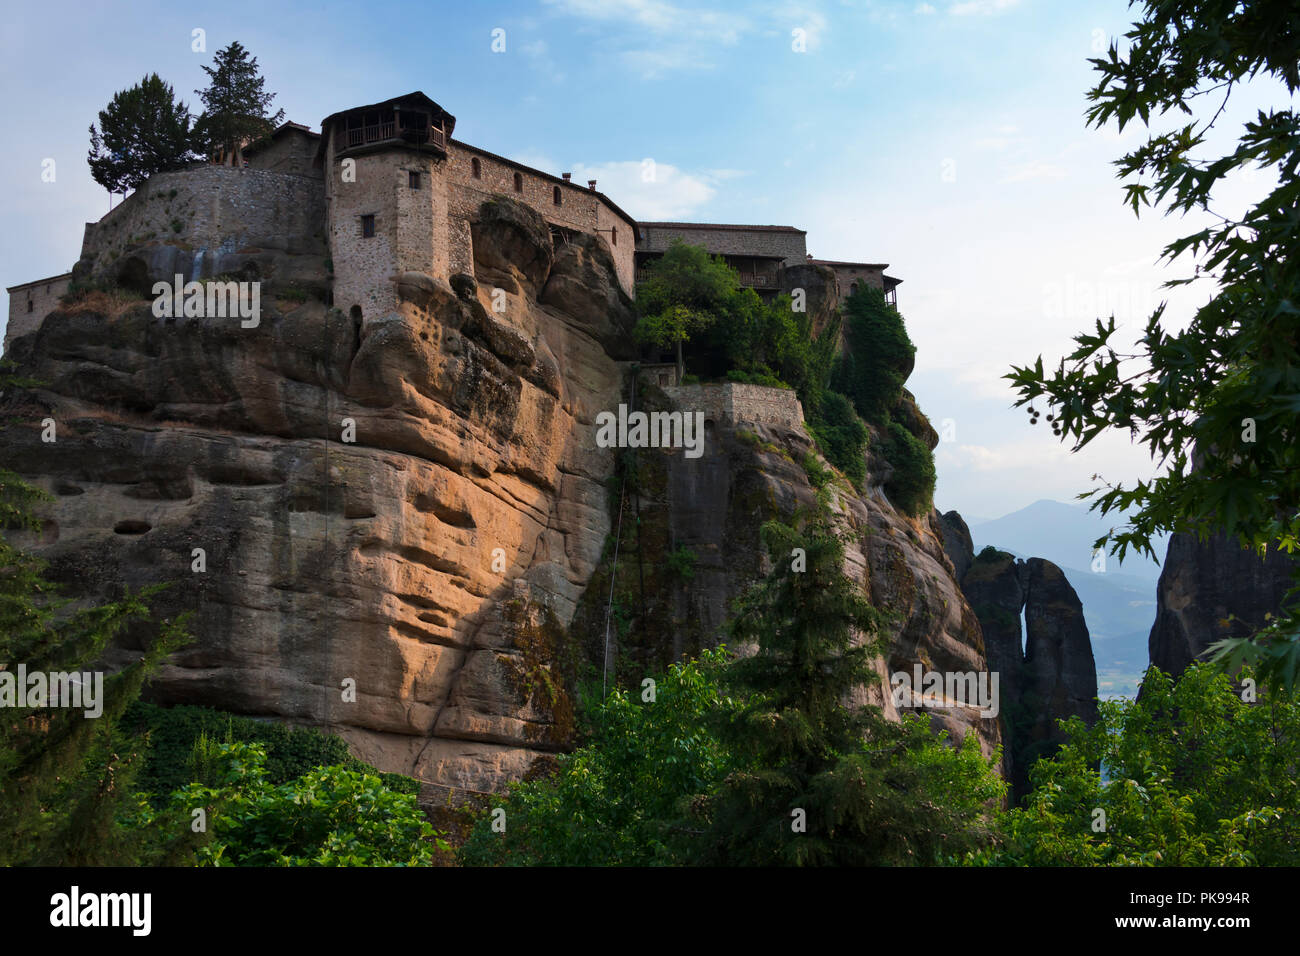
(411, 228)
(580, 208)
(781, 241)
(30, 302)
(293, 151)
(734, 403)
(211, 209)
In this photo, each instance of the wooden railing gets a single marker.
(378, 132)
(759, 280)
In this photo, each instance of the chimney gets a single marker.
(591, 184)
(567, 176)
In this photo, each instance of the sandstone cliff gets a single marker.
(1209, 591)
(1052, 676)
(400, 528)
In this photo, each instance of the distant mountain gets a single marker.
(1063, 534)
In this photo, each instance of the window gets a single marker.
(613, 235)
(555, 195)
(519, 182)
(30, 305)
(413, 179)
(367, 227)
(476, 168)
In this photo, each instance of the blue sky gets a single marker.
(945, 138)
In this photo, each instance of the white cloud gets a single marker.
(924, 9)
(671, 194)
(1027, 172)
(983, 8)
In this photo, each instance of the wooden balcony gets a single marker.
(380, 132)
(758, 280)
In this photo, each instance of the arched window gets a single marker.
(476, 168)
(519, 182)
(555, 195)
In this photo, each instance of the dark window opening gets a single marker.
(367, 227)
(555, 195)
(476, 168)
(519, 183)
(413, 179)
(613, 235)
(30, 305)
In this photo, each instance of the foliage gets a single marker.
(819, 782)
(841, 435)
(235, 106)
(1191, 776)
(330, 816)
(142, 131)
(620, 798)
(989, 553)
(290, 751)
(1196, 397)
(65, 777)
(878, 357)
(685, 293)
(911, 486)
(681, 563)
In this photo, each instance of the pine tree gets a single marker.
(65, 777)
(828, 780)
(235, 107)
(141, 132)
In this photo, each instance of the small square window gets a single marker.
(367, 227)
(414, 179)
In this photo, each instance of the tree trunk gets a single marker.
(681, 365)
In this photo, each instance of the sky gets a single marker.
(947, 139)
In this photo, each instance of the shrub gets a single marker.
(911, 487)
(879, 357)
(841, 435)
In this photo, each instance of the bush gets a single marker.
(911, 487)
(289, 752)
(330, 816)
(879, 355)
(841, 435)
(1190, 775)
(762, 376)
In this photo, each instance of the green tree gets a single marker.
(142, 131)
(686, 292)
(65, 777)
(878, 355)
(331, 816)
(1190, 775)
(821, 782)
(1216, 402)
(620, 799)
(235, 107)
(911, 486)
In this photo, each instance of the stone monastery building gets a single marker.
(383, 189)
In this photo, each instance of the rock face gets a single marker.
(399, 528)
(402, 504)
(1054, 676)
(1210, 591)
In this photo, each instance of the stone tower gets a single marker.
(385, 198)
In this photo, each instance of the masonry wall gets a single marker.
(580, 208)
(789, 245)
(290, 152)
(735, 403)
(209, 208)
(31, 302)
(846, 276)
